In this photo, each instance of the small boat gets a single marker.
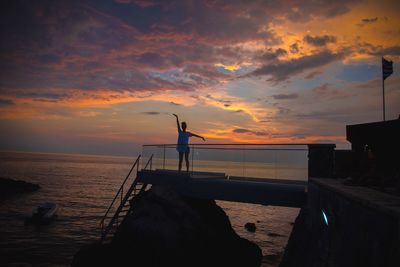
(44, 213)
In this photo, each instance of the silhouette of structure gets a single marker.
(217, 186)
(375, 148)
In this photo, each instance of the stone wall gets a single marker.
(362, 228)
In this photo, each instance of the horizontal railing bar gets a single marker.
(242, 149)
(236, 144)
(261, 149)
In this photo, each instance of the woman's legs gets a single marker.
(180, 160)
(187, 159)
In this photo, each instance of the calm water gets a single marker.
(83, 186)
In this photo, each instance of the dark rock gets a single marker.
(301, 247)
(251, 227)
(272, 259)
(167, 229)
(9, 187)
(273, 234)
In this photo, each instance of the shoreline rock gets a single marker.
(168, 229)
(10, 187)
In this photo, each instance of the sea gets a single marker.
(83, 187)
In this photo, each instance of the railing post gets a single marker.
(321, 160)
(275, 163)
(122, 193)
(192, 157)
(164, 158)
(244, 160)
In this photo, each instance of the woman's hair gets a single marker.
(184, 125)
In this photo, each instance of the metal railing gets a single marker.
(124, 206)
(279, 161)
(115, 206)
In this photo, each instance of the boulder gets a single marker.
(168, 229)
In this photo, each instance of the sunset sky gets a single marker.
(103, 77)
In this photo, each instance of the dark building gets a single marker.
(375, 152)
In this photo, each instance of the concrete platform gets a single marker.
(217, 186)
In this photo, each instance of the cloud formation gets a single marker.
(319, 40)
(285, 96)
(101, 60)
(367, 21)
(282, 70)
(247, 131)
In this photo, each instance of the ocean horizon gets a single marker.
(83, 186)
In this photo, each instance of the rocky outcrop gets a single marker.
(167, 229)
(9, 187)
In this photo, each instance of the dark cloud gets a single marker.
(372, 20)
(241, 130)
(328, 92)
(283, 110)
(247, 131)
(175, 104)
(220, 100)
(6, 102)
(319, 40)
(294, 48)
(285, 96)
(202, 19)
(120, 45)
(272, 55)
(151, 113)
(370, 49)
(48, 59)
(367, 21)
(283, 70)
(321, 89)
(298, 11)
(312, 74)
(205, 71)
(391, 51)
(43, 96)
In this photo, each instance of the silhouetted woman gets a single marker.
(183, 143)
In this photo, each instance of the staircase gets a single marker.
(110, 223)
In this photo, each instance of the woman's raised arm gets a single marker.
(177, 123)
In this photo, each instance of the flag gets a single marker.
(387, 68)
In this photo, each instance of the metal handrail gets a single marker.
(149, 161)
(119, 191)
(260, 149)
(245, 144)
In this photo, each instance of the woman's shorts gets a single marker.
(183, 148)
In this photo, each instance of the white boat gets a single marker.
(43, 213)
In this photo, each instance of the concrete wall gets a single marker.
(363, 228)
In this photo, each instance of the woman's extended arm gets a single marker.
(177, 123)
(199, 136)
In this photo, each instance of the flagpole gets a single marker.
(383, 97)
(387, 70)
